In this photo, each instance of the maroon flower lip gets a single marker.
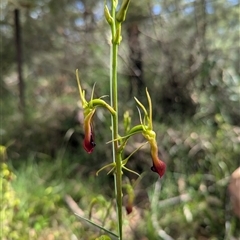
(159, 167)
(129, 209)
(89, 144)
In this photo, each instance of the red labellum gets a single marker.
(129, 209)
(159, 167)
(89, 143)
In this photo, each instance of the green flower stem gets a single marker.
(117, 159)
(101, 103)
(135, 130)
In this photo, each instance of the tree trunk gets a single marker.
(19, 59)
(136, 65)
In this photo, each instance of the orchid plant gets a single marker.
(115, 18)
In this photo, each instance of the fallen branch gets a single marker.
(174, 200)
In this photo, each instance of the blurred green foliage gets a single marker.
(190, 66)
(9, 205)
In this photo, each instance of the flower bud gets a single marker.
(108, 15)
(121, 14)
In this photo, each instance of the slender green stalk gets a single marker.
(114, 103)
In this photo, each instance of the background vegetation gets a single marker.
(185, 52)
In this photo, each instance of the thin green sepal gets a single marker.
(98, 226)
